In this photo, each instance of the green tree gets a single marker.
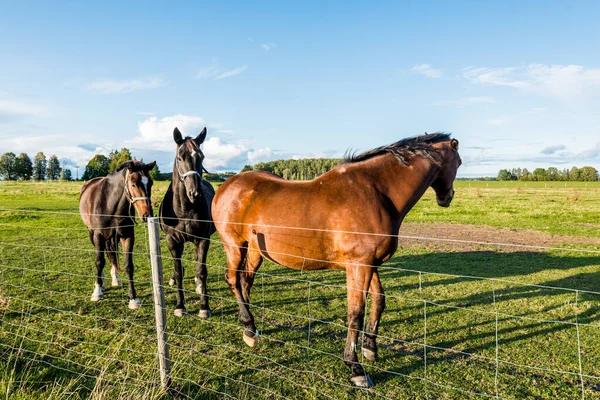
(539, 174)
(53, 171)
(8, 166)
(574, 174)
(97, 166)
(24, 167)
(504, 175)
(39, 166)
(118, 157)
(66, 174)
(155, 173)
(552, 174)
(246, 168)
(589, 174)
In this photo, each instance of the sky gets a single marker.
(517, 83)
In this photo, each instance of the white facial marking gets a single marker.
(145, 182)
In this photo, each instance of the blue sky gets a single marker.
(517, 84)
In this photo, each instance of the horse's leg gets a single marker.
(111, 252)
(127, 243)
(201, 275)
(100, 246)
(235, 262)
(358, 279)
(253, 261)
(369, 348)
(176, 250)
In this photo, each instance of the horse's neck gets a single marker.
(181, 203)
(405, 185)
(115, 186)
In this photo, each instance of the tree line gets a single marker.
(585, 174)
(304, 169)
(22, 168)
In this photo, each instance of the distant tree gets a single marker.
(24, 167)
(97, 166)
(155, 173)
(66, 174)
(552, 174)
(574, 174)
(539, 174)
(118, 157)
(8, 166)
(504, 175)
(246, 168)
(526, 175)
(53, 171)
(39, 166)
(589, 174)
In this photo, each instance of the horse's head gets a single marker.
(188, 163)
(443, 183)
(138, 186)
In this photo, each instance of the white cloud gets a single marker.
(155, 141)
(231, 72)
(265, 154)
(110, 86)
(427, 70)
(560, 81)
(214, 72)
(157, 133)
(13, 109)
(495, 121)
(209, 71)
(268, 46)
(553, 149)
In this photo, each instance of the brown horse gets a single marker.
(107, 206)
(346, 219)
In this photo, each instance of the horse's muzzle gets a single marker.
(445, 202)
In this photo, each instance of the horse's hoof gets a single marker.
(171, 282)
(369, 354)
(251, 341)
(180, 312)
(362, 381)
(116, 282)
(134, 304)
(97, 297)
(204, 314)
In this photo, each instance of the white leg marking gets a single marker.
(134, 304)
(97, 294)
(115, 278)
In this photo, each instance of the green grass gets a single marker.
(55, 343)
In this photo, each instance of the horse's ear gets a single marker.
(200, 138)
(177, 136)
(150, 166)
(454, 144)
(126, 164)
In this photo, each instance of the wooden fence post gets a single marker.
(159, 303)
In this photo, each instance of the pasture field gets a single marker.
(463, 318)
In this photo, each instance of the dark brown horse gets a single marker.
(346, 219)
(185, 216)
(107, 206)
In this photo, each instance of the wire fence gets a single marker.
(522, 324)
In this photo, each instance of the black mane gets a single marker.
(133, 165)
(404, 150)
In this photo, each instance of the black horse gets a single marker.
(185, 216)
(107, 206)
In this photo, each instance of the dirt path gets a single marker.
(481, 233)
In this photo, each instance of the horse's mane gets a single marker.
(404, 150)
(133, 165)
